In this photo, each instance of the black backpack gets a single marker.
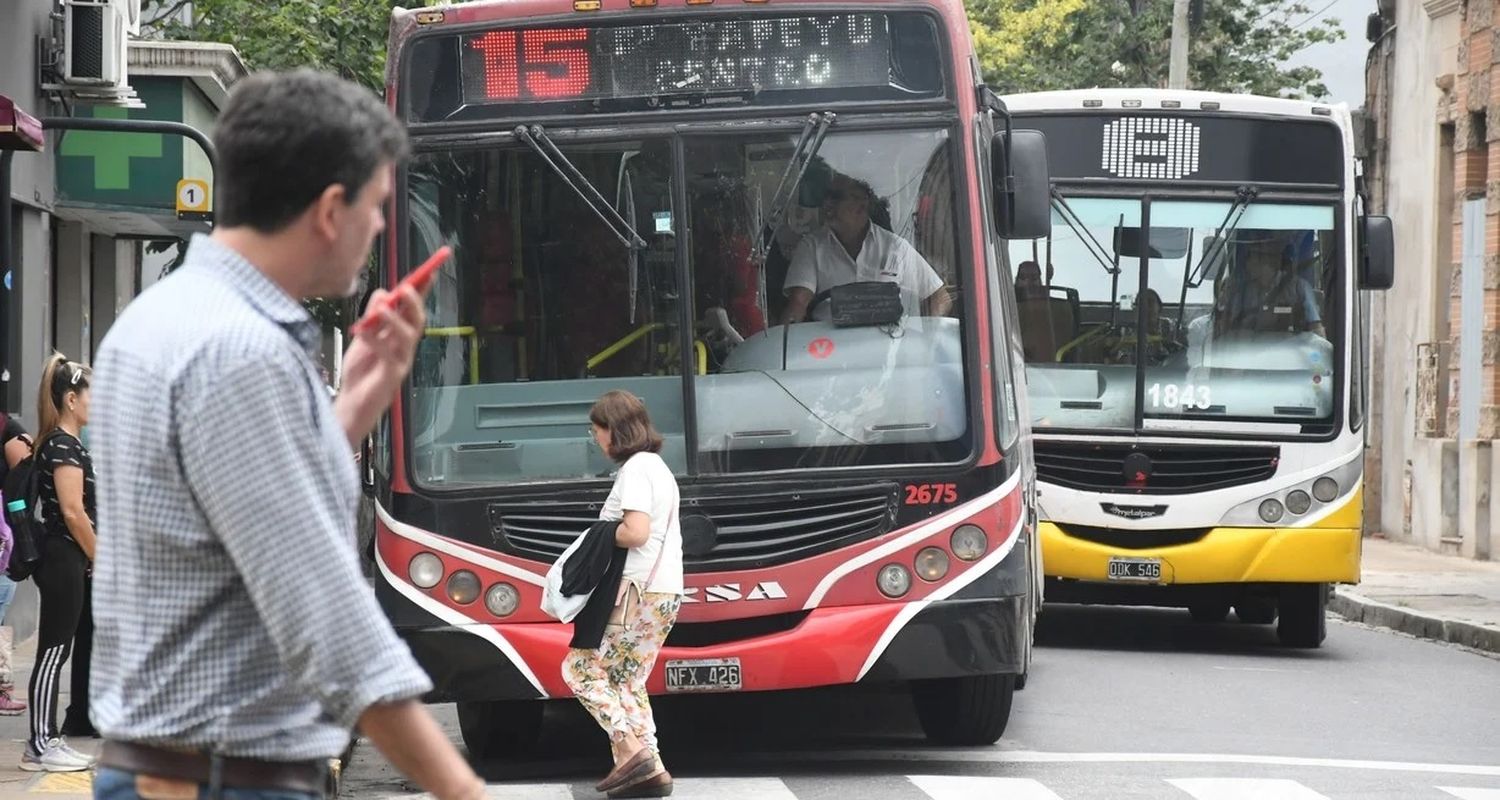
(23, 512)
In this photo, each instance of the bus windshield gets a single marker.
(543, 308)
(1236, 320)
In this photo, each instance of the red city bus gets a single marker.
(626, 187)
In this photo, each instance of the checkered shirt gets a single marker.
(229, 607)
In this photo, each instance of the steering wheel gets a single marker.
(818, 300)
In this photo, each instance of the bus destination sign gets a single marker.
(607, 65)
(732, 55)
(1208, 147)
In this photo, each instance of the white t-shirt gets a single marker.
(820, 262)
(645, 483)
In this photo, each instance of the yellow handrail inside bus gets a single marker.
(470, 332)
(628, 339)
(624, 342)
(1062, 352)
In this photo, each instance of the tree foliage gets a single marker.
(347, 38)
(1236, 45)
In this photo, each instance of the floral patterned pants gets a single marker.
(611, 681)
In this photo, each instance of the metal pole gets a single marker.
(1177, 77)
(12, 400)
(136, 126)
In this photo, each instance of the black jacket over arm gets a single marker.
(595, 569)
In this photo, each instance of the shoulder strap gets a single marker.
(663, 551)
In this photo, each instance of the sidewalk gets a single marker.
(1425, 594)
(15, 784)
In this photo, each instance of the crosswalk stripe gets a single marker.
(1245, 789)
(520, 791)
(952, 787)
(1465, 793)
(738, 788)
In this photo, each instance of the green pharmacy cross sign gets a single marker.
(110, 151)
(128, 171)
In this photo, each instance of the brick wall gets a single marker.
(1475, 114)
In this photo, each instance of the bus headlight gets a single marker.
(425, 570)
(969, 542)
(1298, 502)
(1270, 509)
(502, 600)
(1326, 489)
(463, 587)
(932, 563)
(893, 580)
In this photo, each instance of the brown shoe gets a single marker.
(638, 766)
(658, 785)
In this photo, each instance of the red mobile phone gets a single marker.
(419, 279)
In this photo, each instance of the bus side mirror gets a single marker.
(1022, 185)
(1377, 253)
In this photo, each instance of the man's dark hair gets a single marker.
(285, 137)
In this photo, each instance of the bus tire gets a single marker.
(964, 712)
(1304, 615)
(1209, 613)
(497, 729)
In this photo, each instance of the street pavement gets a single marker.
(1425, 594)
(1122, 703)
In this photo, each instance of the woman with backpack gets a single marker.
(15, 447)
(65, 478)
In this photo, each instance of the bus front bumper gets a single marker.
(985, 628)
(1221, 556)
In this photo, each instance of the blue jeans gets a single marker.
(7, 591)
(114, 784)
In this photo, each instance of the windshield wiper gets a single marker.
(1242, 198)
(813, 133)
(536, 138)
(1091, 244)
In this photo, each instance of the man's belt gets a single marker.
(238, 773)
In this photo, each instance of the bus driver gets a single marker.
(850, 248)
(1269, 293)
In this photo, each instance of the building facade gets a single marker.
(87, 206)
(1433, 99)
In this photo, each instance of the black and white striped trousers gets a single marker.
(60, 582)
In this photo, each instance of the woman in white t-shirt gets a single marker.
(611, 681)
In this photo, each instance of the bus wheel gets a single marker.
(964, 711)
(1255, 611)
(498, 728)
(1210, 612)
(1304, 615)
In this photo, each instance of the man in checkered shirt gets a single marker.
(237, 644)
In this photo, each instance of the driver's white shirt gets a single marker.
(821, 262)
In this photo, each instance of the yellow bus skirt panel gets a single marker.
(1328, 553)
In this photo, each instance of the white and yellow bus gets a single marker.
(1197, 392)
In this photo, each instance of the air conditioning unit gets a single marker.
(95, 39)
(131, 10)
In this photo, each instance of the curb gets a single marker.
(1358, 608)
